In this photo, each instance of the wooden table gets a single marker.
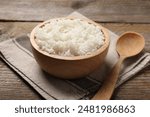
(18, 17)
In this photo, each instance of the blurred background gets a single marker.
(98, 10)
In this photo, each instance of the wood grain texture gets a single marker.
(13, 87)
(99, 10)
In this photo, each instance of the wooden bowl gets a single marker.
(69, 67)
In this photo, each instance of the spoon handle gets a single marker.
(108, 86)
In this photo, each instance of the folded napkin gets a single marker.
(18, 55)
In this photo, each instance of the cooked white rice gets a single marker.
(68, 37)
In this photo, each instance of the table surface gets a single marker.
(18, 17)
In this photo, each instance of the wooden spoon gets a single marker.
(128, 44)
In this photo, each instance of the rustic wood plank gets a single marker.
(13, 87)
(136, 88)
(98, 10)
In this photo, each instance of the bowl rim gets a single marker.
(95, 53)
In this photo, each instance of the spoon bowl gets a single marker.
(128, 44)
